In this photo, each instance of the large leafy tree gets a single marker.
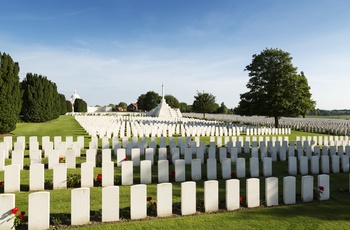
(10, 93)
(275, 87)
(41, 101)
(148, 101)
(204, 103)
(183, 107)
(172, 101)
(80, 105)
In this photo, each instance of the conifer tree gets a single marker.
(10, 93)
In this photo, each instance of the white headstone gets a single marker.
(146, 172)
(253, 192)
(138, 201)
(271, 191)
(211, 169)
(87, 174)
(164, 199)
(211, 196)
(108, 173)
(12, 178)
(232, 194)
(240, 168)
(196, 169)
(188, 198)
(163, 171)
(39, 210)
(289, 190)
(36, 177)
(110, 203)
(60, 176)
(80, 206)
(307, 188)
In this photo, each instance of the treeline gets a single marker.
(203, 103)
(334, 112)
(35, 99)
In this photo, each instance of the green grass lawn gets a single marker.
(331, 214)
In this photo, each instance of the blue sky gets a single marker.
(115, 50)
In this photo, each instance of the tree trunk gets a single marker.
(276, 122)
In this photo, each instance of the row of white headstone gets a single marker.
(144, 126)
(39, 202)
(36, 172)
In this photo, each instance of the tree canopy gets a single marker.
(204, 103)
(80, 105)
(172, 101)
(123, 105)
(41, 101)
(10, 93)
(275, 87)
(148, 101)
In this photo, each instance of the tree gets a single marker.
(222, 109)
(80, 105)
(148, 101)
(123, 105)
(69, 106)
(10, 93)
(63, 104)
(172, 101)
(275, 87)
(204, 103)
(41, 101)
(113, 106)
(183, 107)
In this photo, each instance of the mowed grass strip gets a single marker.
(332, 214)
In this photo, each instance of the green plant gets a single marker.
(48, 185)
(18, 219)
(73, 180)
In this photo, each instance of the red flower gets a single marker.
(154, 203)
(1, 183)
(172, 173)
(232, 174)
(149, 198)
(99, 176)
(14, 210)
(321, 188)
(23, 213)
(126, 159)
(240, 198)
(61, 159)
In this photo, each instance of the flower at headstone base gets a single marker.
(172, 175)
(1, 183)
(14, 210)
(151, 206)
(233, 174)
(98, 180)
(22, 215)
(240, 198)
(318, 191)
(61, 160)
(17, 219)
